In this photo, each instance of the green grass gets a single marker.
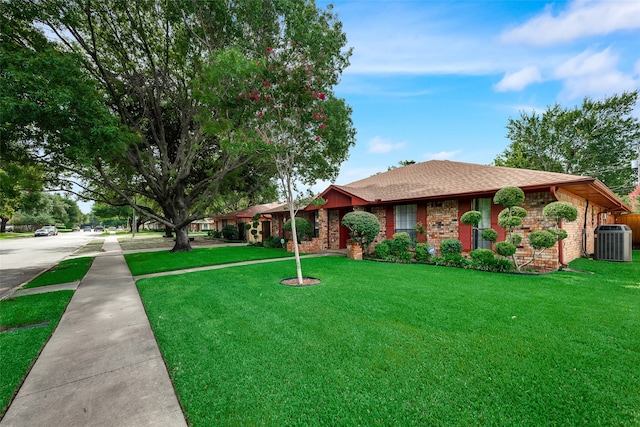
(390, 344)
(7, 236)
(156, 262)
(19, 348)
(67, 271)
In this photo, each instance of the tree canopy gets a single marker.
(597, 139)
(121, 84)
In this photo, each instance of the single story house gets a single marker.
(436, 193)
(245, 216)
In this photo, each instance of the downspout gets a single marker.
(554, 191)
(584, 231)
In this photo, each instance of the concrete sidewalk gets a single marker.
(102, 366)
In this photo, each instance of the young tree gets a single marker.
(597, 139)
(283, 101)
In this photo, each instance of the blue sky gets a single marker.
(440, 79)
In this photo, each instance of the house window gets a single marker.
(406, 219)
(483, 206)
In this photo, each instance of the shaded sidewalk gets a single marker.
(102, 366)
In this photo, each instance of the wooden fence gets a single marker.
(633, 221)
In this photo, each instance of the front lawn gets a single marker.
(391, 344)
(20, 347)
(156, 262)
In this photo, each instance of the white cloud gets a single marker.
(594, 74)
(381, 145)
(519, 80)
(583, 18)
(442, 155)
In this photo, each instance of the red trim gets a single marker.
(421, 217)
(390, 221)
(464, 230)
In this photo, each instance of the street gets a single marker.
(21, 259)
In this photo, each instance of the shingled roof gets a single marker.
(250, 211)
(439, 179)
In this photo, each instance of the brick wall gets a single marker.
(534, 203)
(308, 246)
(323, 228)
(441, 221)
(334, 229)
(578, 242)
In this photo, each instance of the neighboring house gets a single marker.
(245, 216)
(204, 224)
(436, 193)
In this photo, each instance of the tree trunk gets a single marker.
(168, 231)
(3, 224)
(182, 240)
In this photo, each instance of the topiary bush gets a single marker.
(505, 249)
(364, 227)
(558, 211)
(472, 218)
(509, 197)
(450, 246)
(542, 239)
(304, 229)
(489, 234)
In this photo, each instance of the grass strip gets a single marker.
(391, 344)
(67, 271)
(19, 348)
(156, 262)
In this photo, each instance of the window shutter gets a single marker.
(391, 221)
(464, 230)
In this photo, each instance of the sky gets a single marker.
(440, 79)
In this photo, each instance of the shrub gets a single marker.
(230, 232)
(304, 229)
(509, 197)
(505, 249)
(511, 217)
(364, 227)
(489, 234)
(516, 239)
(422, 252)
(472, 218)
(450, 246)
(272, 242)
(482, 256)
(542, 239)
(456, 260)
(399, 247)
(558, 211)
(382, 251)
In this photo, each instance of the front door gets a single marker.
(344, 231)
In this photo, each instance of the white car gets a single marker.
(41, 232)
(51, 229)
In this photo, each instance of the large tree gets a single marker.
(597, 139)
(145, 58)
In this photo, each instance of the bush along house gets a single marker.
(435, 194)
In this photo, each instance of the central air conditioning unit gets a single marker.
(613, 242)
